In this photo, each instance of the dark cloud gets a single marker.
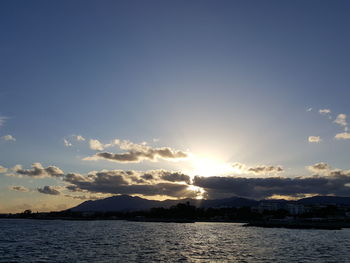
(138, 153)
(175, 177)
(135, 156)
(324, 181)
(39, 171)
(156, 182)
(49, 190)
(336, 183)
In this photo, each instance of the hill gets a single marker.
(130, 203)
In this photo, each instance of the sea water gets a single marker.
(25, 240)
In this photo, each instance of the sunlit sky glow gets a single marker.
(172, 99)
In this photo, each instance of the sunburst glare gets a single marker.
(210, 166)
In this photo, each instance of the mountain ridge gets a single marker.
(134, 203)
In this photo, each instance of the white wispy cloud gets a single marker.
(341, 120)
(96, 145)
(2, 120)
(8, 137)
(3, 169)
(68, 140)
(67, 143)
(324, 111)
(342, 136)
(314, 139)
(79, 138)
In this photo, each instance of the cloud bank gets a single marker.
(154, 182)
(323, 181)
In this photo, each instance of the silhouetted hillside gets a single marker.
(129, 203)
(116, 203)
(325, 200)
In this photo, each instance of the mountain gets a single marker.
(116, 203)
(325, 200)
(130, 203)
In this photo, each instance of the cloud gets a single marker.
(324, 180)
(79, 138)
(341, 120)
(239, 166)
(314, 139)
(342, 136)
(2, 120)
(96, 145)
(67, 143)
(258, 170)
(318, 168)
(309, 109)
(138, 156)
(39, 171)
(263, 169)
(85, 197)
(8, 137)
(220, 187)
(175, 177)
(135, 153)
(324, 111)
(3, 169)
(19, 188)
(149, 183)
(49, 190)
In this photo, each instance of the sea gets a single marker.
(26, 240)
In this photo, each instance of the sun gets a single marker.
(200, 192)
(210, 166)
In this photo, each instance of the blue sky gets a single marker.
(224, 80)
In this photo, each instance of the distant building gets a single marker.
(295, 209)
(268, 206)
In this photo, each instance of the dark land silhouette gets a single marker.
(324, 212)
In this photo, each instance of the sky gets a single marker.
(172, 99)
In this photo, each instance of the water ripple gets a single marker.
(121, 241)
